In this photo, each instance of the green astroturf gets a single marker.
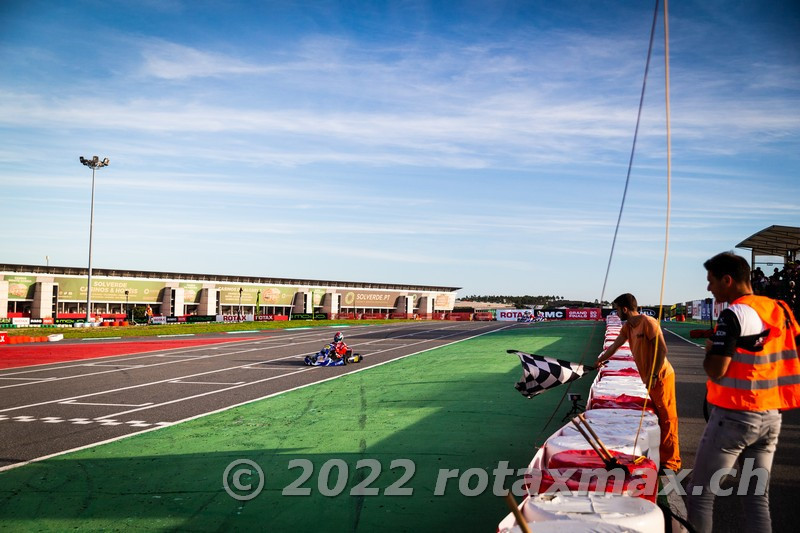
(452, 408)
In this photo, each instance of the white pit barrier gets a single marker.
(562, 443)
(623, 429)
(631, 513)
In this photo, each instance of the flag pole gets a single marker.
(512, 504)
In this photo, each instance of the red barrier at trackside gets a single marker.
(483, 316)
(3, 337)
(459, 316)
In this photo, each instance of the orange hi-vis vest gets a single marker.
(767, 379)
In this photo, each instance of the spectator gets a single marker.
(760, 281)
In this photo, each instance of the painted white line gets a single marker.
(240, 332)
(176, 335)
(151, 354)
(100, 338)
(73, 402)
(30, 379)
(264, 366)
(684, 339)
(205, 382)
(112, 364)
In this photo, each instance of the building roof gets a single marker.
(774, 240)
(72, 271)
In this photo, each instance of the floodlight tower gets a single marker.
(93, 163)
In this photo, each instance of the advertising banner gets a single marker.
(706, 310)
(234, 318)
(512, 315)
(193, 319)
(382, 299)
(317, 295)
(21, 322)
(272, 296)
(649, 311)
(107, 290)
(697, 309)
(20, 287)
(552, 314)
(3, 337)
(309, 316)
(444, 301)
(191, 292)
(584, 314)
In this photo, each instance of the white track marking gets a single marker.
(204, 382)
(257, 348)
(101, 404)
(192, 349)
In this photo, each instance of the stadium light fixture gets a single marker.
(241, 290)
(94, 163)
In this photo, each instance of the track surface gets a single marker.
(49, 409)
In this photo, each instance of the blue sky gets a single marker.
(482, 145)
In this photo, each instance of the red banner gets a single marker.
(584, 314)
(3, 338)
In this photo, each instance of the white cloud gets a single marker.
(172, 61)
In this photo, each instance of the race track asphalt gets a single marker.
(52, 408)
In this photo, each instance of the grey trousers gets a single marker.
(749, 436)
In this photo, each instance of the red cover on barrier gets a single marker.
(640, 479)
(623, 401)
(621, 372)
(621, 357)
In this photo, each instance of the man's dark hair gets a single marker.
(626, 300)
(728, 263)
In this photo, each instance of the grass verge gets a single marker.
(182, 329)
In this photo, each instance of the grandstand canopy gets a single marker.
(782, 241)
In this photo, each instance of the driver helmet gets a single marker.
(338, 337)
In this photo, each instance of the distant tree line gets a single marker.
(529, 301)
(518, 301)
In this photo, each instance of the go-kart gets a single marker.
(333, 354)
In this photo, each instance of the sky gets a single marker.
(476, 144)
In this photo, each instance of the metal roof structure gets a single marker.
(780, 241)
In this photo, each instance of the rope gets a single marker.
(669, 200)
(633, 150)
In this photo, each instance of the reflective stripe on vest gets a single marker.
(769, 379)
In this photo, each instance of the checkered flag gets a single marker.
(540, 373)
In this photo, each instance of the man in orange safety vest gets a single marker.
(754, 373)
